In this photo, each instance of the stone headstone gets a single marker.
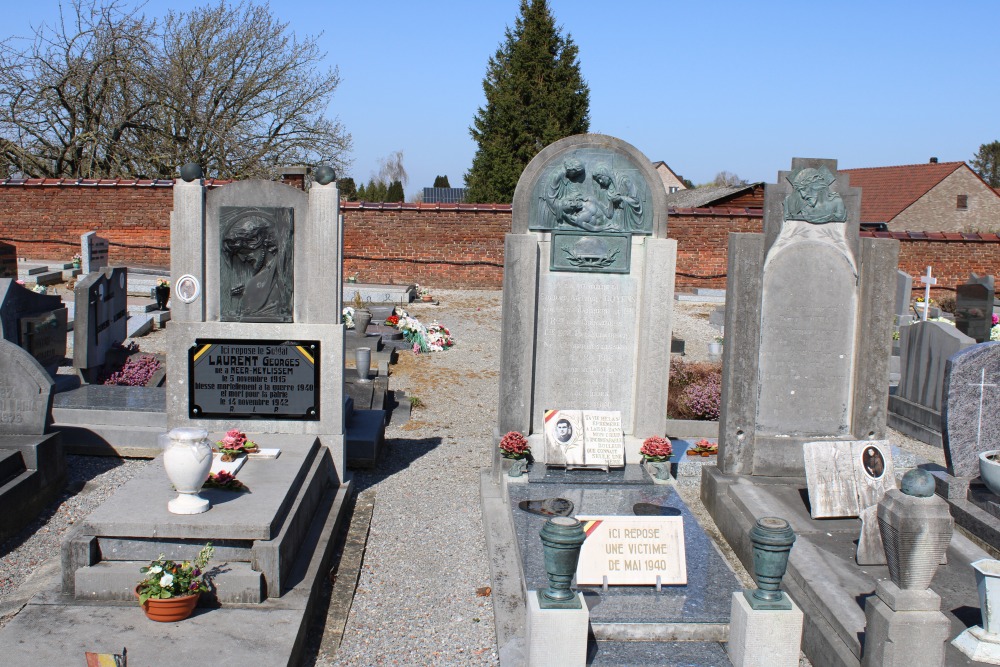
(846, 477)
(974, 307)
(8, 260)
(100, 319)
(588, 279)
(809, 311)
(970, 417)
(915, 408)
(25, 392)
(904, 289)
(33, 321)
(94, 251)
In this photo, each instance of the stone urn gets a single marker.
(989, 470)
(988, 582)
(363, 362)
(187, 458)
(562, 539)
(162, 293)
(772, 539)
(715, 349)
(916, 531)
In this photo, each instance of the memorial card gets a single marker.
(844, 477)
(632, 551)
(584, 438)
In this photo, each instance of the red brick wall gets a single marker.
(439, 246)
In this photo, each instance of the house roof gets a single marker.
(888, 191)
(705, 195)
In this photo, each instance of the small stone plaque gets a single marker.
(584, 438)
(632, 551)
(254, 379)
(590, 253)
(844, 477)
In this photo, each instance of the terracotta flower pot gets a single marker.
(428, 298)
(171, 609)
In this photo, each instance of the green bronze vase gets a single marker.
(562, 537)
(772, 540)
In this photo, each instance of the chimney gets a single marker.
(295, 176)
(934, 160)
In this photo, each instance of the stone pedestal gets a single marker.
(904, 628)
(556, 637)
(764, 636)
(979, 645)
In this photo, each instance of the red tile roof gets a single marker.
(888, 191)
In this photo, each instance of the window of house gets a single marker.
(673, 189)
(962, 202)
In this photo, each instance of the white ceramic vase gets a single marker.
(988, 582)
(989, 470)
(187, 458)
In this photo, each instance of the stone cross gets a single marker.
(927, 280)
(982, 392)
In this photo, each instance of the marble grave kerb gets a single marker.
(809, 313)
(588, 280)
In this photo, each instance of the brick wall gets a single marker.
(457, 245)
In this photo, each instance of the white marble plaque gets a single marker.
(584, 438)
(632, 551)
(844, 477)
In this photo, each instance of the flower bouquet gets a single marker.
(392, 320)
(656, 449)
(226, 482)
(704, 448)
(235, 444)
(515, 446)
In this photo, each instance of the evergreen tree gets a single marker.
(395, 192)
(535, 95)
(986, 163)
(376, 191)
(441, 182)
(348, 190)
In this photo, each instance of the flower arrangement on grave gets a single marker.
(77, 261)
(515, 446)
(165, 579)
(235, 444)
(162, 282)
(432, 338)
(347, 317)
(136, 371)
(225, 481)
(421, 291)
(704, 448)
(656, 449)
(392, 320)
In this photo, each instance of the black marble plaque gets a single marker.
(254, 379)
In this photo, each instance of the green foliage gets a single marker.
(986, 163)
(376, 190)
(535, 95)
(441, 182)
(395, 192)
(348, 190)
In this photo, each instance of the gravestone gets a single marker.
(925, 347)
(8, 261)
(809, 311)
(32, 461)
(970, 415)
(588, 276)
(94, 251)
(974, 307)
(100, 319)
(904, 289)
(36, 322)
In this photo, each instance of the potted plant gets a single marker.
(162, 292)
(169, 591)
(514, 447)
(235, 444)
(424, 294)
(715, 348)
(656, 452)
(362, 316)
(77, 261)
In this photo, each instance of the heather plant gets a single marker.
(136, 372)
(695, 390)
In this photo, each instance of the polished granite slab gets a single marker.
(112, 397)
(705, 599)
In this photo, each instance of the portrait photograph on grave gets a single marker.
(564, 438)
(584, 438)
(256, 270)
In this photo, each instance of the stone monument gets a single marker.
(8, 261)
(588, 276)
(809, 313)
(36, 322)
(101, 319)
(94, 251)
(974, 307)
(971, 407)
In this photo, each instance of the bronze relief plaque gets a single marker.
(257, 264)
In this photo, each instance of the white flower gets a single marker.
(166, 580)
(995, 332)
(156, 569)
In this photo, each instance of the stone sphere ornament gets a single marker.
(190, 172)
(187, 458)
(325, 175)
(918, 483)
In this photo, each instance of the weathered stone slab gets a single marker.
(970, 418)
(845, 477)
(26, 392)
(904, 288)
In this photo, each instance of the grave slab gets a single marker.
(970, 415)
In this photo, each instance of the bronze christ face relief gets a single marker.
(256, 268)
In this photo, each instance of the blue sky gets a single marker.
(703, 86)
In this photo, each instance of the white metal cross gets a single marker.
(982, 391)
(927, 280)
